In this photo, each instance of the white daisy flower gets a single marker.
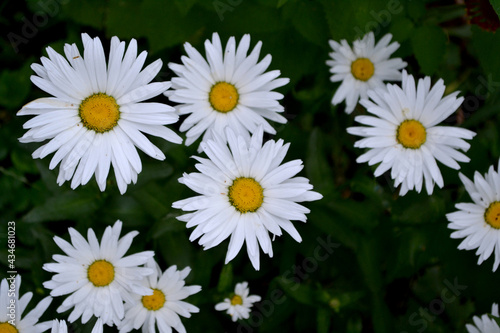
(96, 117)
(245, 193)
(61, 327)
(403, 136)
(12, 308)
(239, 305)
(97, 277)
(479, 222)
(363, 67)
(162, 309)
(485, 324)
(228, 89)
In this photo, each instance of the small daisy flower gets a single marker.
(363, 67)
(479, 222)
(239, 305)
(162, 309)
(245, 193)
(485, 324)
(402, 134)
(228, 89)
(61, 327)
(12, 308)
(97, 116)
(97, 277)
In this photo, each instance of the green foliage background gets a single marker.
(393, 261)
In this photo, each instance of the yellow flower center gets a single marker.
(246, 194)
(362, 69)
(7, 328)
(236, 300)
(492, 215)
(223, 97)
(99, 112)
(411, 134)
(101, 273)
(154, 302)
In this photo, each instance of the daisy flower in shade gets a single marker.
(61, 327)
(228, 89)
(239, 305)
(479, 222)
(12, 308)
(97, 116)
(485, 324)
(362, 67)
(97, 277)
(245, 193)
(162, 309)
(402, 134)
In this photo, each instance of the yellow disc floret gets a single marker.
(492, 215)
(99, 112)
(411, 134)
(246, 194)
(7, 328)
(362, 69)
(223, 97)
(101, 273)
(154, 302)
(236, 300)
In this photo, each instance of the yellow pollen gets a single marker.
(492, 215)
(411, 134)
(101, 273)
(154, 302)
(99, 112)
(7, 328)
(362, 69)
(246, 194)
(236, 300)
(223, 97)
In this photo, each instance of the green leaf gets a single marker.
(66, 206)
(309, 21)
(496, 6)
(401, 29)
(487, 47)
(225, 278)
(15, 86)
(90, 12)
(415, 9)
(429, 45)
(323, 317)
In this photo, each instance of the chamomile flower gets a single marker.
(245, 193)
(229, 88)
(364, 66)
(485, 324)
(97, 116)
(240, 304)
(97, 277)
(12, 308)
(402, 135)
(479, 222)
(61, 327)
(162, 309)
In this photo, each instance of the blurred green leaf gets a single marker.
(496, 6)
(66, 206)
(225, 278)
(401, 28)
(429, 45)
(15, 86)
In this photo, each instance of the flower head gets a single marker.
(97, 116)
(97, 277)
(485, 324)
(9, 299)
(239, 305)
(229, 88)
(479, 222)
(363, 67)
(402, 134)
(245, 193)
(162, 309)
